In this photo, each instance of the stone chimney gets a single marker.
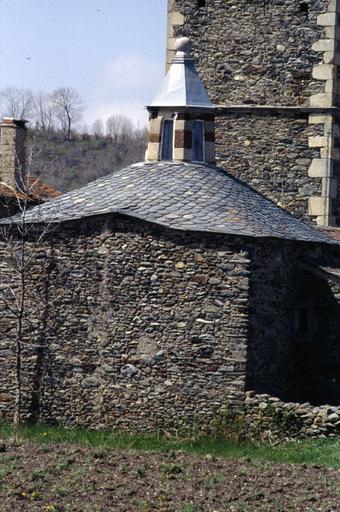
(181, 117)
(13, 152)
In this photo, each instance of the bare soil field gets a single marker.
(65, 478)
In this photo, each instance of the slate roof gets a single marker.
(184, 196)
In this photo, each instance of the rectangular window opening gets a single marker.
(167, 140)
(198, 141)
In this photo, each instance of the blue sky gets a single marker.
(111, 51)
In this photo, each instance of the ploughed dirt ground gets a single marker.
(50, 478)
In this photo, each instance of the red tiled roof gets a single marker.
(40, 190)
(332, 232)
(37, 190)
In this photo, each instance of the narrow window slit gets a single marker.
(167, 140)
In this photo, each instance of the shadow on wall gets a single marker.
(294, 341)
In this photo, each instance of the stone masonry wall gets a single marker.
(271, 153)
(257, 51)
(270, 360)
(134, 328)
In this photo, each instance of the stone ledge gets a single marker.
(282, 109)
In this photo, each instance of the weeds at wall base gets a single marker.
(314, 451)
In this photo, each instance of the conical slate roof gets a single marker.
(182, 86)
(183, 196)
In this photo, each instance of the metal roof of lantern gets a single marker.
(182, 86)
(178, 195)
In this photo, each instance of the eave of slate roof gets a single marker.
(181, 196)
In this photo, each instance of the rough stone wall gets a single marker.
(271, 314)
(317, 357)
(268, 417)
(282, 360)
(136, 328)
(257, 51)
(271, 153)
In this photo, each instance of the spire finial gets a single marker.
(183, 48)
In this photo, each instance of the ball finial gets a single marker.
(183, 44)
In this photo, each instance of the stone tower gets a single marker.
(271, 69)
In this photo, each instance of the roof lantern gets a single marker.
(182, 122)
(182, 86)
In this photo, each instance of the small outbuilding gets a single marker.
(167, 289)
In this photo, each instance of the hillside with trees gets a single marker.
(65, 152)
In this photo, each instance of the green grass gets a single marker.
(320, 451)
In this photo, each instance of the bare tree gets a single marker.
(20, 240)
(68, 108)
(97, 128)
(17, 103)
(44, 114)
(119, 127)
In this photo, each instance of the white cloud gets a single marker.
(125, 86)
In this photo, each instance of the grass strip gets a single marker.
(316, 451)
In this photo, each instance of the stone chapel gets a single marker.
(171, 289)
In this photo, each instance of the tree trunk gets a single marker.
(18, 390)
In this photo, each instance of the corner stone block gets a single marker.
(331, 58)
(332, 32)
(179, 153)
(152, 153)
(170, 54)
(317, 206)
(171, 43)
(323, 99)
(334, 6)
(324, 72)
(155, 126)
(327, 19)
(176, 18)
(317, 119)
(319, 168)
(318, 142)
(171, 5)
(329, 86)
(324, 45)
